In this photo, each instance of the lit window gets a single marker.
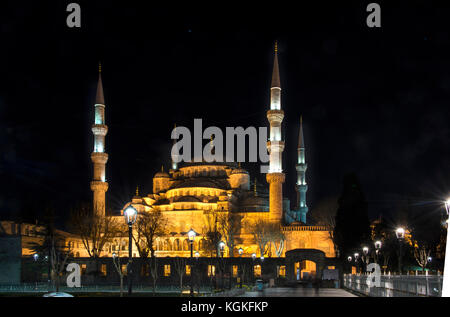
(282, 271)
(211, 270)
(83, 269)
(124, 269)
(166, 269)
(235, 270)
(188, 270)
(331, 267)
(103, 270)
(257, 270)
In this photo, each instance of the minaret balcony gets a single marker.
(301, 167)
(275, 146)
(275, 116)
(100, 129)
(99, 158)
(302, 188)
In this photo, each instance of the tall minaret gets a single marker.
(175, 156)
(99, 158)
(301, 167)
(275, 146)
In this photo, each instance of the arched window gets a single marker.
(185, 245)
(176, 246)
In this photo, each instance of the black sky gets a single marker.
(374, 101)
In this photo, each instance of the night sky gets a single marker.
(374, 101)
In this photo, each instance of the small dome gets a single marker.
(161, 174)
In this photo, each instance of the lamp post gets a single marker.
(356, 255)
(191, 236)
(400, 233)
(377, 249)
(221, 246)
(130, 215)
(366, 254)
(446, 282)
(240, 251)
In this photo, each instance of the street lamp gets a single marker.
(35, 257)
(349, 258)
(356, 255)
(253, 256)
(377, 249)
(366, 253)
(400, 233)
(221, 248)
(191, 235)
(130, 215)
(446, 282)
(240, 251)
(197, 255)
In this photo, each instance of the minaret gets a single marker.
(99, 186)
(175, 157)
(275, 146)
(301, 167)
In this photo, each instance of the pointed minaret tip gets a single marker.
(137, 190)
(276, 72)
(301, 141)
(100, 99)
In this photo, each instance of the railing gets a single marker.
(44, 288)
(396, 285)
(304, 228)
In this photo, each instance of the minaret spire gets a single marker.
(99, 186)
(100, 99)
(302, 187)
(276, 71)
(275, 145)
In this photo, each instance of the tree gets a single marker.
(154, 272)
(53, 246)
(324, 214)
(211, 233)
(118, 266)
(229, 227)
(276, 238)
(95, 230)
(180, 267)
(421, 255)
(352, 222)
(262, 234)
(150, 225)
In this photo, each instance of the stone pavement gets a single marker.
(299, 292)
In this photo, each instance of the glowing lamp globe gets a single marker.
(378, 244)
(191, 235)
(241, 251)
(197, 255)
(365, 250)
(254, 256)
(221, 245)
(130, 215)
(349, 258)
(400, 232)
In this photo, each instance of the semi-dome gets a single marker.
(239, 171)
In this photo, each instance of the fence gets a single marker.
(396, 285)
(113, 288)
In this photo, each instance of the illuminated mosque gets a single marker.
(188, 192)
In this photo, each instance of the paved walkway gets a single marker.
(299, 292)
